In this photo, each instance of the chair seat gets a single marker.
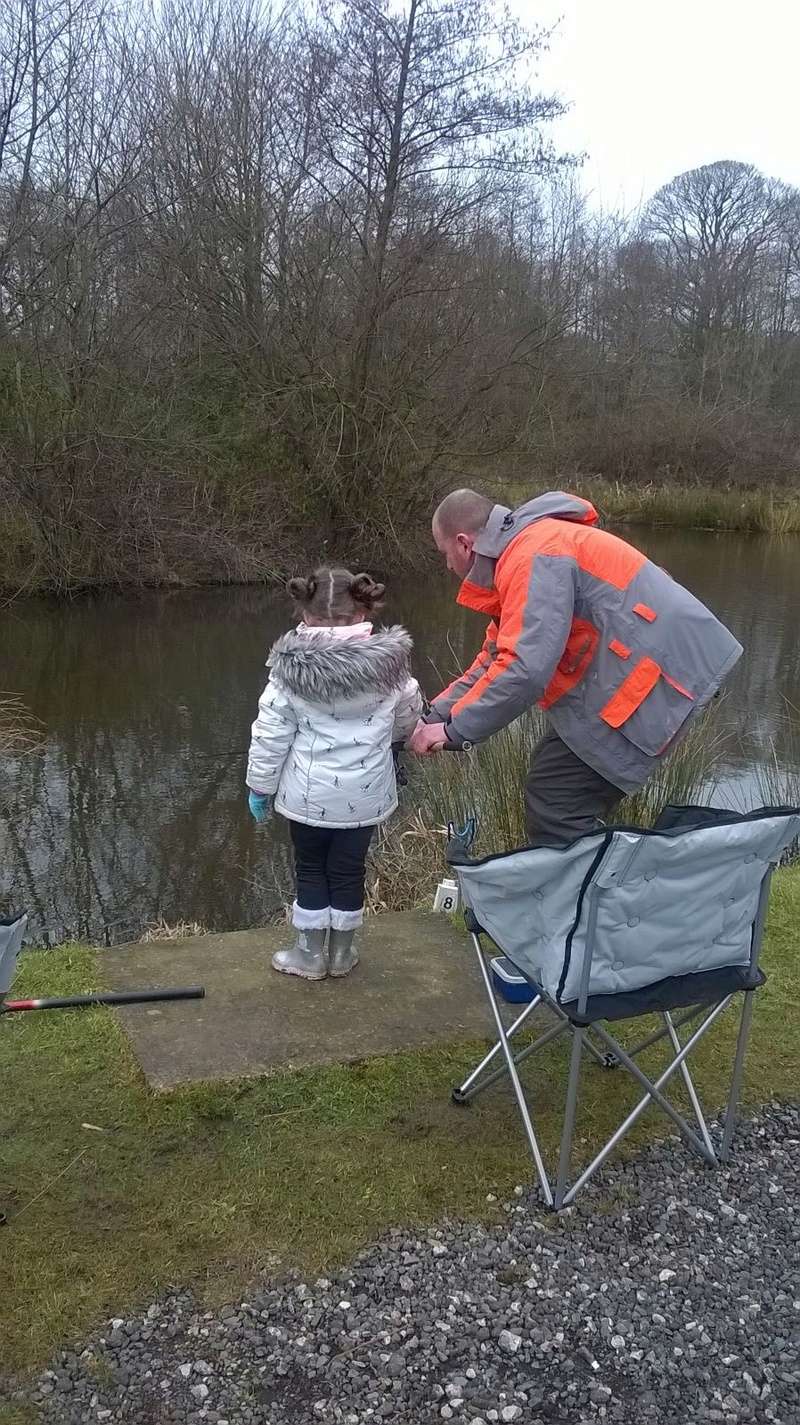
(674, 992)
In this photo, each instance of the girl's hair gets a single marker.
(335, 595)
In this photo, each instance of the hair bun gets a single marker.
(302, 590)
(365, 591)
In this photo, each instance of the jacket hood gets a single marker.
(556, 505)
(504, 524)
(319, 668)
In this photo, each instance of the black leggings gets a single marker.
(330, 864)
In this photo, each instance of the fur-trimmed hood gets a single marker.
(320, 669)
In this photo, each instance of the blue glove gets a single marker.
(260, 804)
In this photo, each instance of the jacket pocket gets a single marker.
(648, 708)
(574, 661)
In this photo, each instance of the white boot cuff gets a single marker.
(346, 919)
(310, 919)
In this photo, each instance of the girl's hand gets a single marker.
(260, 804)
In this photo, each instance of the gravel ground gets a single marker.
(671, 1295)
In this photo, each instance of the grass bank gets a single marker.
(204, 533)
(113, 1193)
(774, 512)
(771, 510)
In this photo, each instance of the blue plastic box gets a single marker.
(509, 982)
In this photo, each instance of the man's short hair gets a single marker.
(462, 512)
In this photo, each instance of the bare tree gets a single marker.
(717, 225)
(425, 119)
(267, 274)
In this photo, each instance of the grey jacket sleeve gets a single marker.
(272, 736)
(534, 626)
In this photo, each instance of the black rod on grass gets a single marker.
(17, 1006)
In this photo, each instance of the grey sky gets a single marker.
(659, 86)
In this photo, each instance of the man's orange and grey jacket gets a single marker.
(618, 655)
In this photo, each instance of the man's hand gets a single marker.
(427, 738)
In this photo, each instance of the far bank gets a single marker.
(196, 535)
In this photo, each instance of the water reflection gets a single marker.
(133, 809)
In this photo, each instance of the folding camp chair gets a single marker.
(11, 933)
(617, 925)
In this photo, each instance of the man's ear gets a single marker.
(465, 542)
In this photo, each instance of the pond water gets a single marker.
(134, 807)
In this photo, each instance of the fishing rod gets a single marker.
(11, 933)
(19, 1006)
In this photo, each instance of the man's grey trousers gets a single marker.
(564, 798)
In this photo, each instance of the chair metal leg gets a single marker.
(654, 1089)
(470, 1088)
(463, 1091)
(653, 1094)
(565, 1155)
(554, 1032)
(514, 1076)
(659, 1034)
(590, 1048)
(690, 1089)
(736, 1078)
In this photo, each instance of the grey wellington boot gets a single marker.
(343, 956)
(305, 958)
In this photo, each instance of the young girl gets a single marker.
(338, 696)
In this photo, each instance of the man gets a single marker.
(619, 656)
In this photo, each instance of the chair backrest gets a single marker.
(11, 933)
(639, 906)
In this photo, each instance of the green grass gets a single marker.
(770, 511)
(212, 1185)
(773, 510)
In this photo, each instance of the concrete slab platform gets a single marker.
(417, 985)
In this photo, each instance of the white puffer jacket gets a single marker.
(336, 700)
